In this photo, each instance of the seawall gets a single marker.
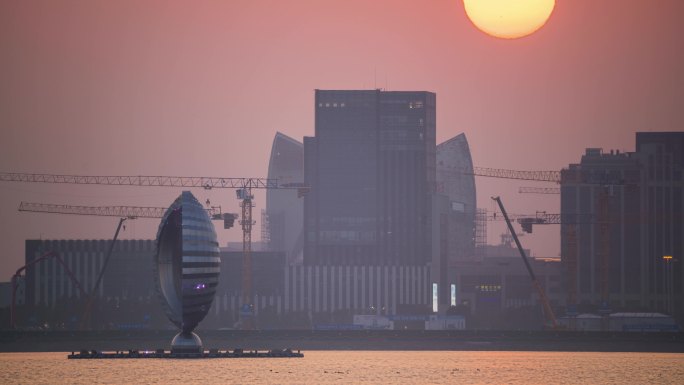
(27, 341)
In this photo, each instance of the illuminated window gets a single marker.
(435, 298)
(453, 295)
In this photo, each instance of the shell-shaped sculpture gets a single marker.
(187, 262)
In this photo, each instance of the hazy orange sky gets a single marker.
(199, 88)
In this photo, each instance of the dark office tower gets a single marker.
(600, 243)
(371, 168)
(628, 239)
(284, 209)
(662, 243)
(453, 158)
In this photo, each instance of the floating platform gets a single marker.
(161, 353)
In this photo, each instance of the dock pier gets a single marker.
(161, 353)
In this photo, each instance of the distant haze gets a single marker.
(200, 89)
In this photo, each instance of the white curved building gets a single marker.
(284, 210)
(453, 180)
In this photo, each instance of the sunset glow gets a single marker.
(509, 19)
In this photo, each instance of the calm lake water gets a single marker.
(355, 367)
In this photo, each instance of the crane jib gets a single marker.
(151, 181)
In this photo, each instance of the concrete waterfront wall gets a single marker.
(67, 341)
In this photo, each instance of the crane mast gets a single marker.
(247, 310)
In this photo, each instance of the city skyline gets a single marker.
(151, 89)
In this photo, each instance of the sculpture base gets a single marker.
(186, 343)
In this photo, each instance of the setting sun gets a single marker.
(509, 19)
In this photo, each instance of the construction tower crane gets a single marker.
(570, 222)
(243, 186)
(548, 312)
(606, 182)
(17, 275)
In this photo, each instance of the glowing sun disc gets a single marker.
(509, 19)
